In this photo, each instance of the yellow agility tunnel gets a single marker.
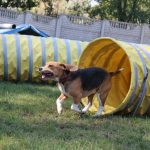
(21, 54)
(130, 91)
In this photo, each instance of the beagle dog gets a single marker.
(79, 83)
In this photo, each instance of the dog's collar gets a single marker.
(63, 80)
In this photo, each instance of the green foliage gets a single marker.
(23, 4)
(54, 7)
(79, 8)
(136, 11)
(48, 7)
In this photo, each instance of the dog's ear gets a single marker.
(65, 68)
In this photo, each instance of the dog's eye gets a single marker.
(50, 66)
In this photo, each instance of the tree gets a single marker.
(48, 4)
(79, 8)
(22, 4)
(75, 7)
(54, 7)
(136, 11)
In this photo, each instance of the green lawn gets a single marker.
(29, 121)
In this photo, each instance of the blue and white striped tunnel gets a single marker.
(21, 54)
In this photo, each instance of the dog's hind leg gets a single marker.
(101, 105)
(102, 94)
(102, 99)
(59, 103)
(86, 108)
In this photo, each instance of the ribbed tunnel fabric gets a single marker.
(20, 55)
(130, 92)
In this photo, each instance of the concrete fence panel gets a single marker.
(123, 31)
(43, 23)
(9, 16)
(79, 28)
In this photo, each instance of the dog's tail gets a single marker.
(116, 72)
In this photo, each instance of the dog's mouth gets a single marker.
(46, 75)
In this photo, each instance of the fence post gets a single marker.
(58, 26)
(142, 33)
(103, 28)
(24, 17)
(27, 17)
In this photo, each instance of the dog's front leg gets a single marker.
(59, 103)
(75, 106)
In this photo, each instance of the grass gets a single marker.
(29, 121)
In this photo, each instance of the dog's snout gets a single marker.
(41, 68)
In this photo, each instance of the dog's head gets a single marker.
(55, 70)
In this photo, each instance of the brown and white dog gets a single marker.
(79, 83)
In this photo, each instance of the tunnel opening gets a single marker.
(107, 54)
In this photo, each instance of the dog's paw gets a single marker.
(83, 111)
(59, 110)
(75, 107)
(59, 106)
(86, 108)
(99, 112)
(97, 115)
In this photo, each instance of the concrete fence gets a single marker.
(79, 28)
